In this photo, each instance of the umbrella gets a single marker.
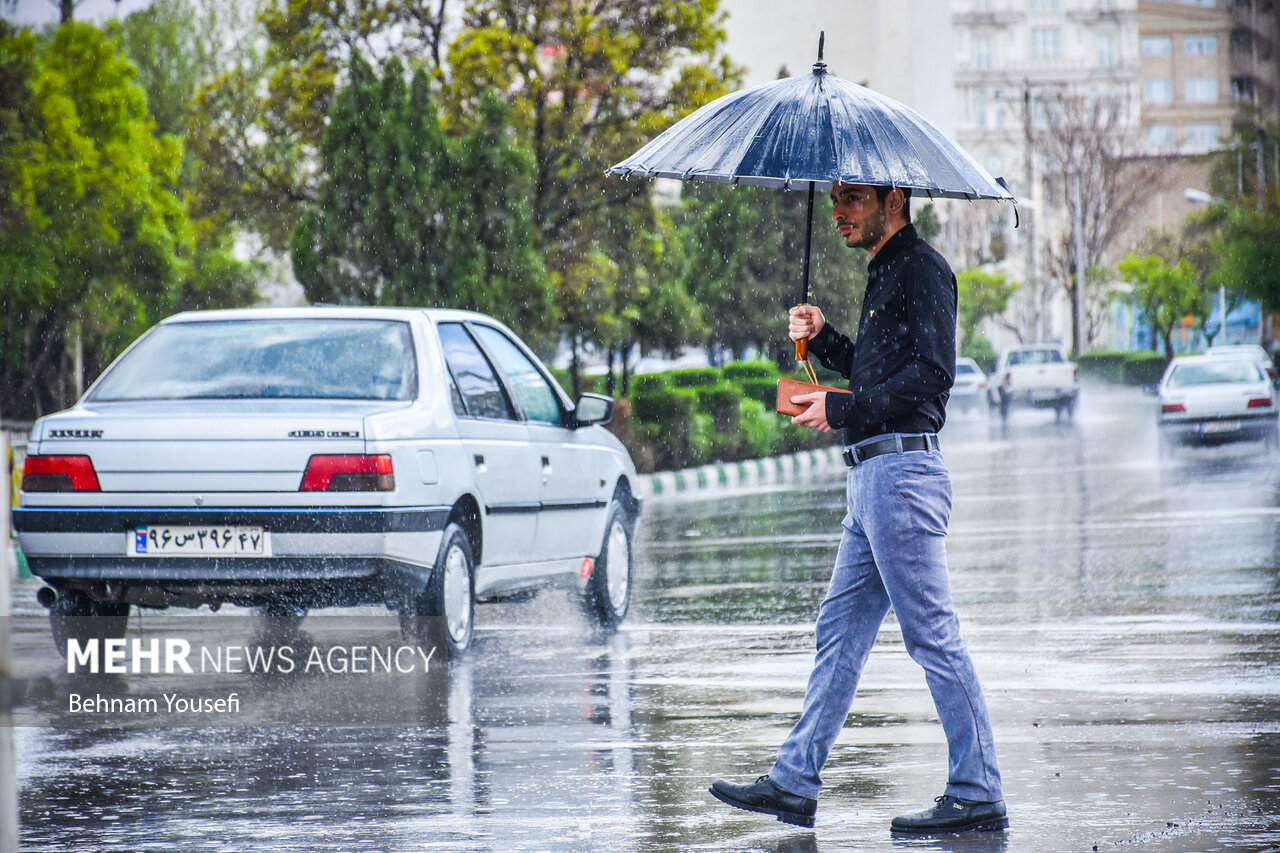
(809, 132)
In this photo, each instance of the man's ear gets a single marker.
(893, 202)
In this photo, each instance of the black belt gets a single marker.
(863, 452)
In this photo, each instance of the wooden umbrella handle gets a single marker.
(802, 349)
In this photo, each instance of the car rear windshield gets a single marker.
(267, 359)
(1035, 356)
(1210, 373)
(961, 367)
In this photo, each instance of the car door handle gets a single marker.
(479, 458)
(546, 469)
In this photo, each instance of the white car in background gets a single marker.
(1253, 351)
(289, 459)
(969, 392)
(1210, 399)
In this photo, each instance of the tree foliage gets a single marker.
(981, 295)
(96, 242)
(744, 254)
(1164, 292)
(407, 218)
(588, 84)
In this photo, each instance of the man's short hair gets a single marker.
(883, 192)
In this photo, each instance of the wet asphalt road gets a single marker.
(1124, 615)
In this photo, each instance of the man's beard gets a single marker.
(871, 232)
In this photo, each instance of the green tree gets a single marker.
(406, 218)
(500, 270)
(172, 43)
(981, 295)
(258, 122)
(96, 239)
(1164, 292)
(744, 249)
(1247, 258)
(588, 85)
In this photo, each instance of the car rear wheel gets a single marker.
(75, 615)
(608, 594)
(444, 614)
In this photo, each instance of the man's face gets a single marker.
(859, 216)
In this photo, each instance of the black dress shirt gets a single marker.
(903, 364)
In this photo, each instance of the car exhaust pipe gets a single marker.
(47, 596)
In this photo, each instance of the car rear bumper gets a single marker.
(348, 554)
(1219, 430)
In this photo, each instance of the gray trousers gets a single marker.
(893, 553)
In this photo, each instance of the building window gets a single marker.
(1157, 91)
(1159, 136)
(1157, 45)
(1198, 45)
(1106, 5)
(1202, 135)
(1202, 89)
(1106, 51)
(982, 110)
(1204, 4)
(1242, 89)
(1046, 42)
(982, 53)
(1046, 7)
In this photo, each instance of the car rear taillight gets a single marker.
(1172, 408)
(59, 474)
(1260, 403)
(1008, 380)
(349, 473)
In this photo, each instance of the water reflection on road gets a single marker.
(1123, 614)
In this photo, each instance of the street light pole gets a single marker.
(1078, 227)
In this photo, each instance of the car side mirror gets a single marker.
(593, 409)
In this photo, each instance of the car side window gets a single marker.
(478, 384)
(536, 397)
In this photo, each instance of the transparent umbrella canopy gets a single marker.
(810, 132)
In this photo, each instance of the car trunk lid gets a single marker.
(206, 446)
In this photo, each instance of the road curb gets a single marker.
(751, 472)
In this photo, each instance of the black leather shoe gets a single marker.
(765, 797)
(952, 814)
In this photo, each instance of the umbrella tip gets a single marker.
(820, 66)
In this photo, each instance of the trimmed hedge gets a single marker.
(693, 377)
(684, 418)
(1128, 368)
(741, 370)
(1144, 369)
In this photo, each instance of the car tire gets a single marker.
(608, 593)
(75, 615)
(443, 616)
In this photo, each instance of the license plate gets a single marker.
(1219, 426)
(166, 540)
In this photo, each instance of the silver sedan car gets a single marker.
(1216, 399)
(290, 459)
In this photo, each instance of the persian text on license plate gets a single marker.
(1210, 427)
(162, 540)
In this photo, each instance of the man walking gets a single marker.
(892, 551)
